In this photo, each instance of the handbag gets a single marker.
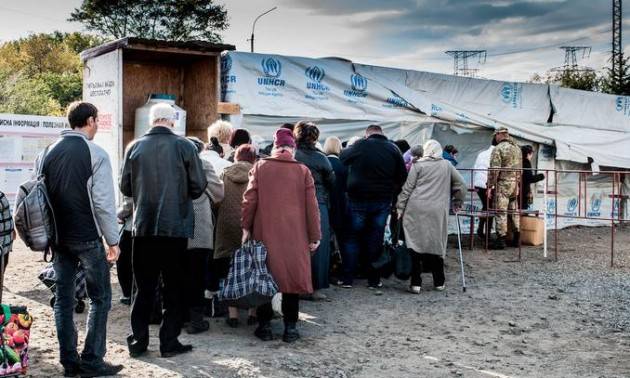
(249, 283)
(401, 257)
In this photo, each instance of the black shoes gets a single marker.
(197, 323)
(71, 371)
(179, 349)
(251, 320)
(498, 243)
(263, 332)
(136, 348)
(232, 322)
(104, 369)
(126, 301)
(291, 333)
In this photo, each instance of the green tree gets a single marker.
(176, 20)
(617, 83)
(42, 73)
(586, 80)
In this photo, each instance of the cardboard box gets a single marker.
(532, 230)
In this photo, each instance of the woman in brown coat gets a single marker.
(280, 210)
(229, 233)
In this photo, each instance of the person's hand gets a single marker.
(246, 236)
(313, 246)
(13, 235)
(399, 214)
(489, 193)
(113, 252)
(121, 221)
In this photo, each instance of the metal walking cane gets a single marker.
(461, 257)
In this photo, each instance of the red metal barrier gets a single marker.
(582, 189)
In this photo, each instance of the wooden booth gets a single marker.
(119, 76)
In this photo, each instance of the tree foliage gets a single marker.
(586, 80)
(176, 20)
(41, 74)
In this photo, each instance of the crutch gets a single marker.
(461, 257)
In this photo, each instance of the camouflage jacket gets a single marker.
(506, 155)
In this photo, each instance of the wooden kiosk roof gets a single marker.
(155, 47)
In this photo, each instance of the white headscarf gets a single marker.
(432, 150)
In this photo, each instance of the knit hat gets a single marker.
(239, 137)
(161, 111)
(283, 137)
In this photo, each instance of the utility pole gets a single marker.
(460, 61)
(617, 48)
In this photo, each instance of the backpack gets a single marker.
(34, 217)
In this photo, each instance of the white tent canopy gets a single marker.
(580, 124)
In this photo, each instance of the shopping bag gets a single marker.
(249, 283)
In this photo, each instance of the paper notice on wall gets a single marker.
(9, 148)
(32, 147)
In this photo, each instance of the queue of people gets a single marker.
(183, 216)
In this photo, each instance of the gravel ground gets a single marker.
(534, 318)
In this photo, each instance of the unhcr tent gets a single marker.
(570, 129)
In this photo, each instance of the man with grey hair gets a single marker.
(163, 174)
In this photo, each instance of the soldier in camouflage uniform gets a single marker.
(503, 185)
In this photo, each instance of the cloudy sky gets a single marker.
(521, 36)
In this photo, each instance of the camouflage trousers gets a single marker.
(506, 199)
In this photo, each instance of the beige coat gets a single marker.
(424, 202)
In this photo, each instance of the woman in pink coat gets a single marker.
(280, 210)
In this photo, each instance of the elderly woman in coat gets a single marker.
(423, 206)
(229, 233)
(201, 244)
(280, 210)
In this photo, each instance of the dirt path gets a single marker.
(536, 318)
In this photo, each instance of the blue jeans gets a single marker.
(367, 229)
(91, 255)
(320, 261)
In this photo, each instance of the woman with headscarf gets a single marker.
(280, 210)
(306, 135)
(423, 206)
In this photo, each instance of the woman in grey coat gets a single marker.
(200, 246)
(423, 206)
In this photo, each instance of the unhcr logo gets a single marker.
(272, 68)
(226, 64)
(359, 86)
(511, 94)
(571, 206)
(596, 205)
(397, 101)
(315, 75)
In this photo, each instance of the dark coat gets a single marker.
(162, 172)
(280, 207)
(339, 196)
(376, 169)
(320, 168)
(529, 178)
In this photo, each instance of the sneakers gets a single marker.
(415, 289)
(440, 288)
(319, 296)
(377, 286)
(344, 285)
(179, 349)
(104, 369)
(263, 332)
(291, 333)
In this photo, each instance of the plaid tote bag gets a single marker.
(248, 283)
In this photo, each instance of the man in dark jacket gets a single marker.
(163, 174)
(80, 186)
(376, 175)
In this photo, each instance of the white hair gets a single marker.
(432, 150)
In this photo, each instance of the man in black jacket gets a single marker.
(376, 175)
(163, 174)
